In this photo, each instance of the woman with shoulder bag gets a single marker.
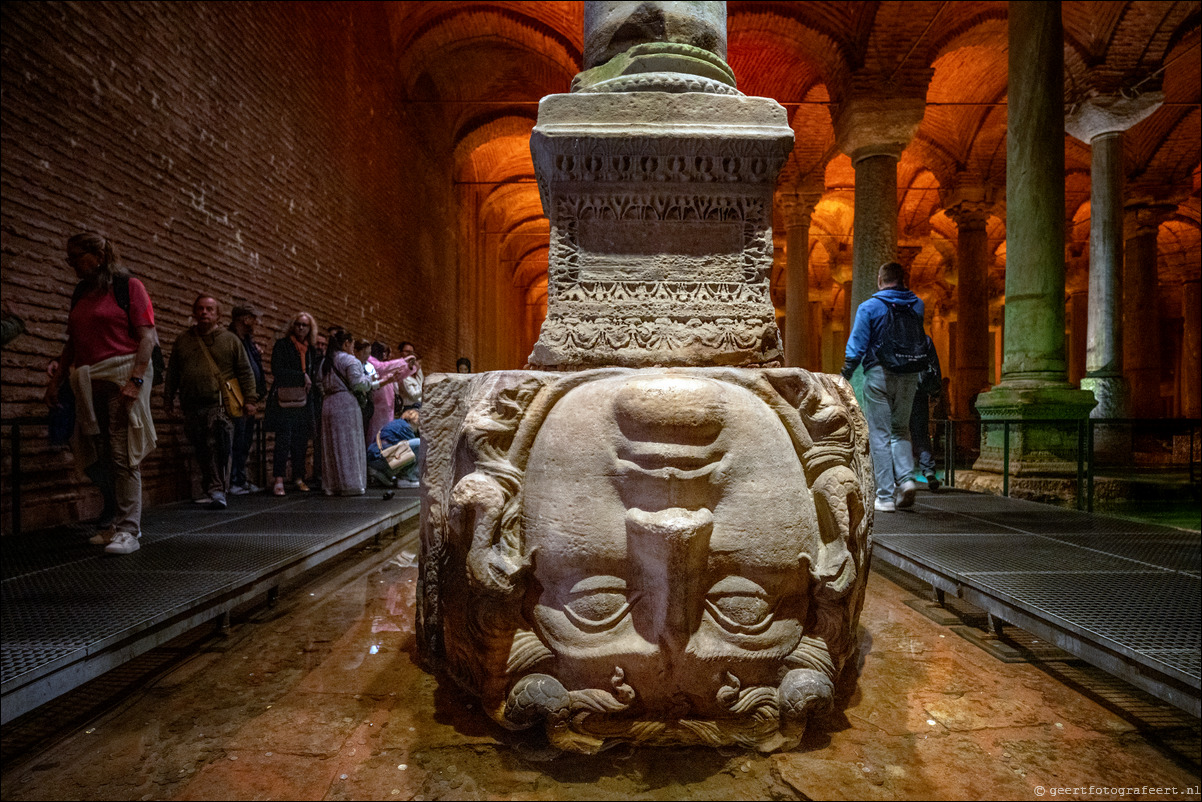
(290, 404)
(343, 384)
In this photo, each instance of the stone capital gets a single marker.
(1144, 216)
(906, 254)
(871, 125)
(798, 207)
(1109, 114)
(969, 215)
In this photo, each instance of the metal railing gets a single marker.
(1085, 451)
(258, 457)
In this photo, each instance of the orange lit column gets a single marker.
(797, 210)
(1191, 350)
(1141, 352)
(972, 304)
(873, 128)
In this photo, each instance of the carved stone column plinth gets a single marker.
(655, 556)
(661, 228)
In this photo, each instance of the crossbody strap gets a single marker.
(212, 364)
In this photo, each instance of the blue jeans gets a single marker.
(888, 398)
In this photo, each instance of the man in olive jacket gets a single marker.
(190, 374)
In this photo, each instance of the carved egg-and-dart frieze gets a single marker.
(658, 557)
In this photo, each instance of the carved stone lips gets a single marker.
(667, 472)
(668, 460)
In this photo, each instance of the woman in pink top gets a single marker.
(385, 395)
(110, 339)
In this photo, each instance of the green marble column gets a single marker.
(1034, 383)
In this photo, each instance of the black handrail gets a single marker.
(1085, 446)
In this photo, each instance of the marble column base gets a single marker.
(658, 556)
(1045, 441)
(1112, 443)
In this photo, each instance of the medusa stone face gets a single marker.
(663, 518)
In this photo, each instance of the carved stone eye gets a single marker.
(598, 602)
(740, 605)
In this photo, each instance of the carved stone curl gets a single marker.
(655, 556)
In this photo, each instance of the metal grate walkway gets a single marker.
(69, 612)
(1122, 595)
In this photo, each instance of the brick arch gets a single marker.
(816, 34)
(488, 145)
(508, 203)
(956, 137)
(964, 25)
(918, 203)
(531, 28)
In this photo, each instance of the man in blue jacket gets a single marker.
(888, 396)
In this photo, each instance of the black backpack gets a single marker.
(930, 378)
(903, 347)
(121, 295)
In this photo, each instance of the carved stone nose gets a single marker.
(670, 548)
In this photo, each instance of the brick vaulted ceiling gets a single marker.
(478, 69)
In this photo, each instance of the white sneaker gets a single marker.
(123, 543)
(205, 499)
(905, 494)
(408, 483)
(218, 501)
(239, 490)
(885, 506)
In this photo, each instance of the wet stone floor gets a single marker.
(320, 697)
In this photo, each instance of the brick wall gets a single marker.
(255, 151)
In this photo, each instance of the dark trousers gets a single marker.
(211, 434)
(317, 444)
(291, 442)
(245, 429)
(920, 433)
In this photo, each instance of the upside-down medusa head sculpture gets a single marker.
(658, 557)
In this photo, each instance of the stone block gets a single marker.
(660, 207)
(655, 556)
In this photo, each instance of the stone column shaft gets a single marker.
(1141, 354)
(875, 224)
(1100, 120)
(797, 214)
(1104, 346)
(1078, 346)
(1191, 350)
(1034, 334)
(873, 126)
(1034, 384)
(972, 303)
